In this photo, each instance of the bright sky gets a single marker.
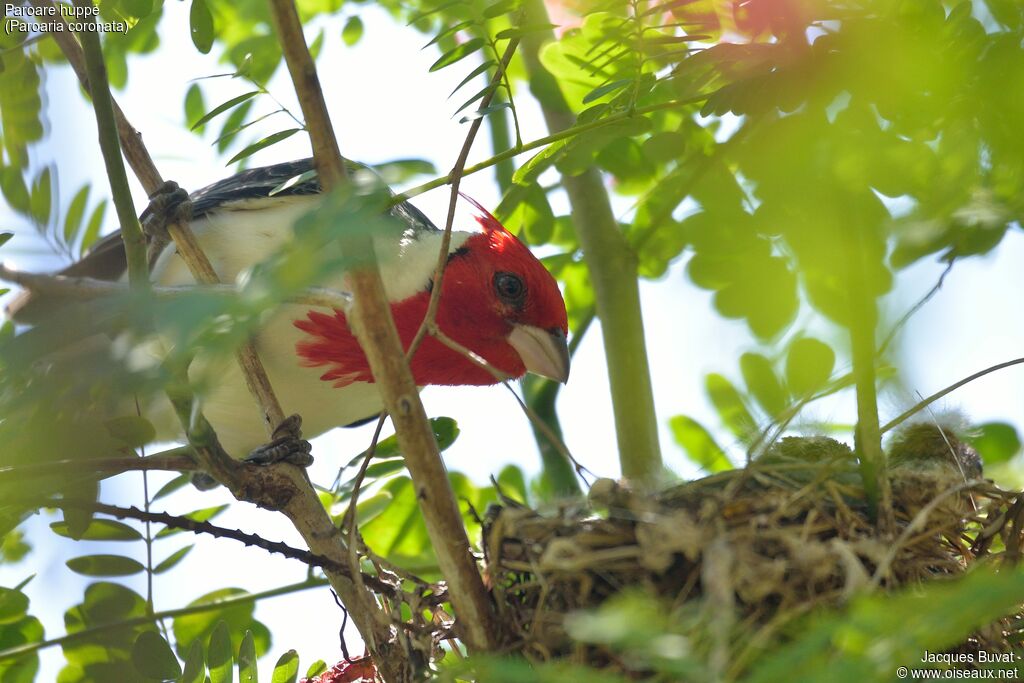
(385, 106)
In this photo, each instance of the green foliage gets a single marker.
(996, 442)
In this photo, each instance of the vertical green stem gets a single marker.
(613, 272)
(863, 323)
(99, 86)
(501, 141)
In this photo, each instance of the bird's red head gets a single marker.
(497, 300)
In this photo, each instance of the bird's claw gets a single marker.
(286, 445)
(168, 204)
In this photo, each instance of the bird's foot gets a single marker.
(168, 205)
(286, 445)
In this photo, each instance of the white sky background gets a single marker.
(385, 106)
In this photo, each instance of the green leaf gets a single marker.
(513, 483)
(446, 431)
(383, 469)
(372, 506)
(42, 197)
(524, 30)
(92, 229)
(809, 364)
(13, 605)
(233, 125)
(602, 90)
(762, 382)
(448, 31)
(996, 441)
(104, 565)
(134, 431)
(476, 96)
(699, 445)
(247, 659)
(153, 658)
(194, 107)
(5, 237)
(76, 211)
(500, 8)
(525, 210)
(264, 143)
(480, 113)
(287, 668)
(218, 657)
(473, 74)
(78, 520)
(195, 665)
(729, 404)
(173, 485)
(316, 668)
(201, 26)
(458, 52)
(14, 189)
(223, 107)
(100, 530)
(352, 31)
(293, 181)
(172, 560)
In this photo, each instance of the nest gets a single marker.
(757, 546)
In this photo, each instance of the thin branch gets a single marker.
(350, 514)
(502, 377)
(375, 328)
(916, 307)
(213, 606)
(902, 417)
(456, 179)
(186, 524)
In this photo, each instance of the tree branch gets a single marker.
(250, 540)
(375, 329)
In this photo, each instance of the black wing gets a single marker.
(106, 259)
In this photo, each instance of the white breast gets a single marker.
(235, 240)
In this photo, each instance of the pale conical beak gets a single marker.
(544, 353)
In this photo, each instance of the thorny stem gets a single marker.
(186, 524)
(375, 329)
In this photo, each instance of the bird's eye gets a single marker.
(510, 288)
